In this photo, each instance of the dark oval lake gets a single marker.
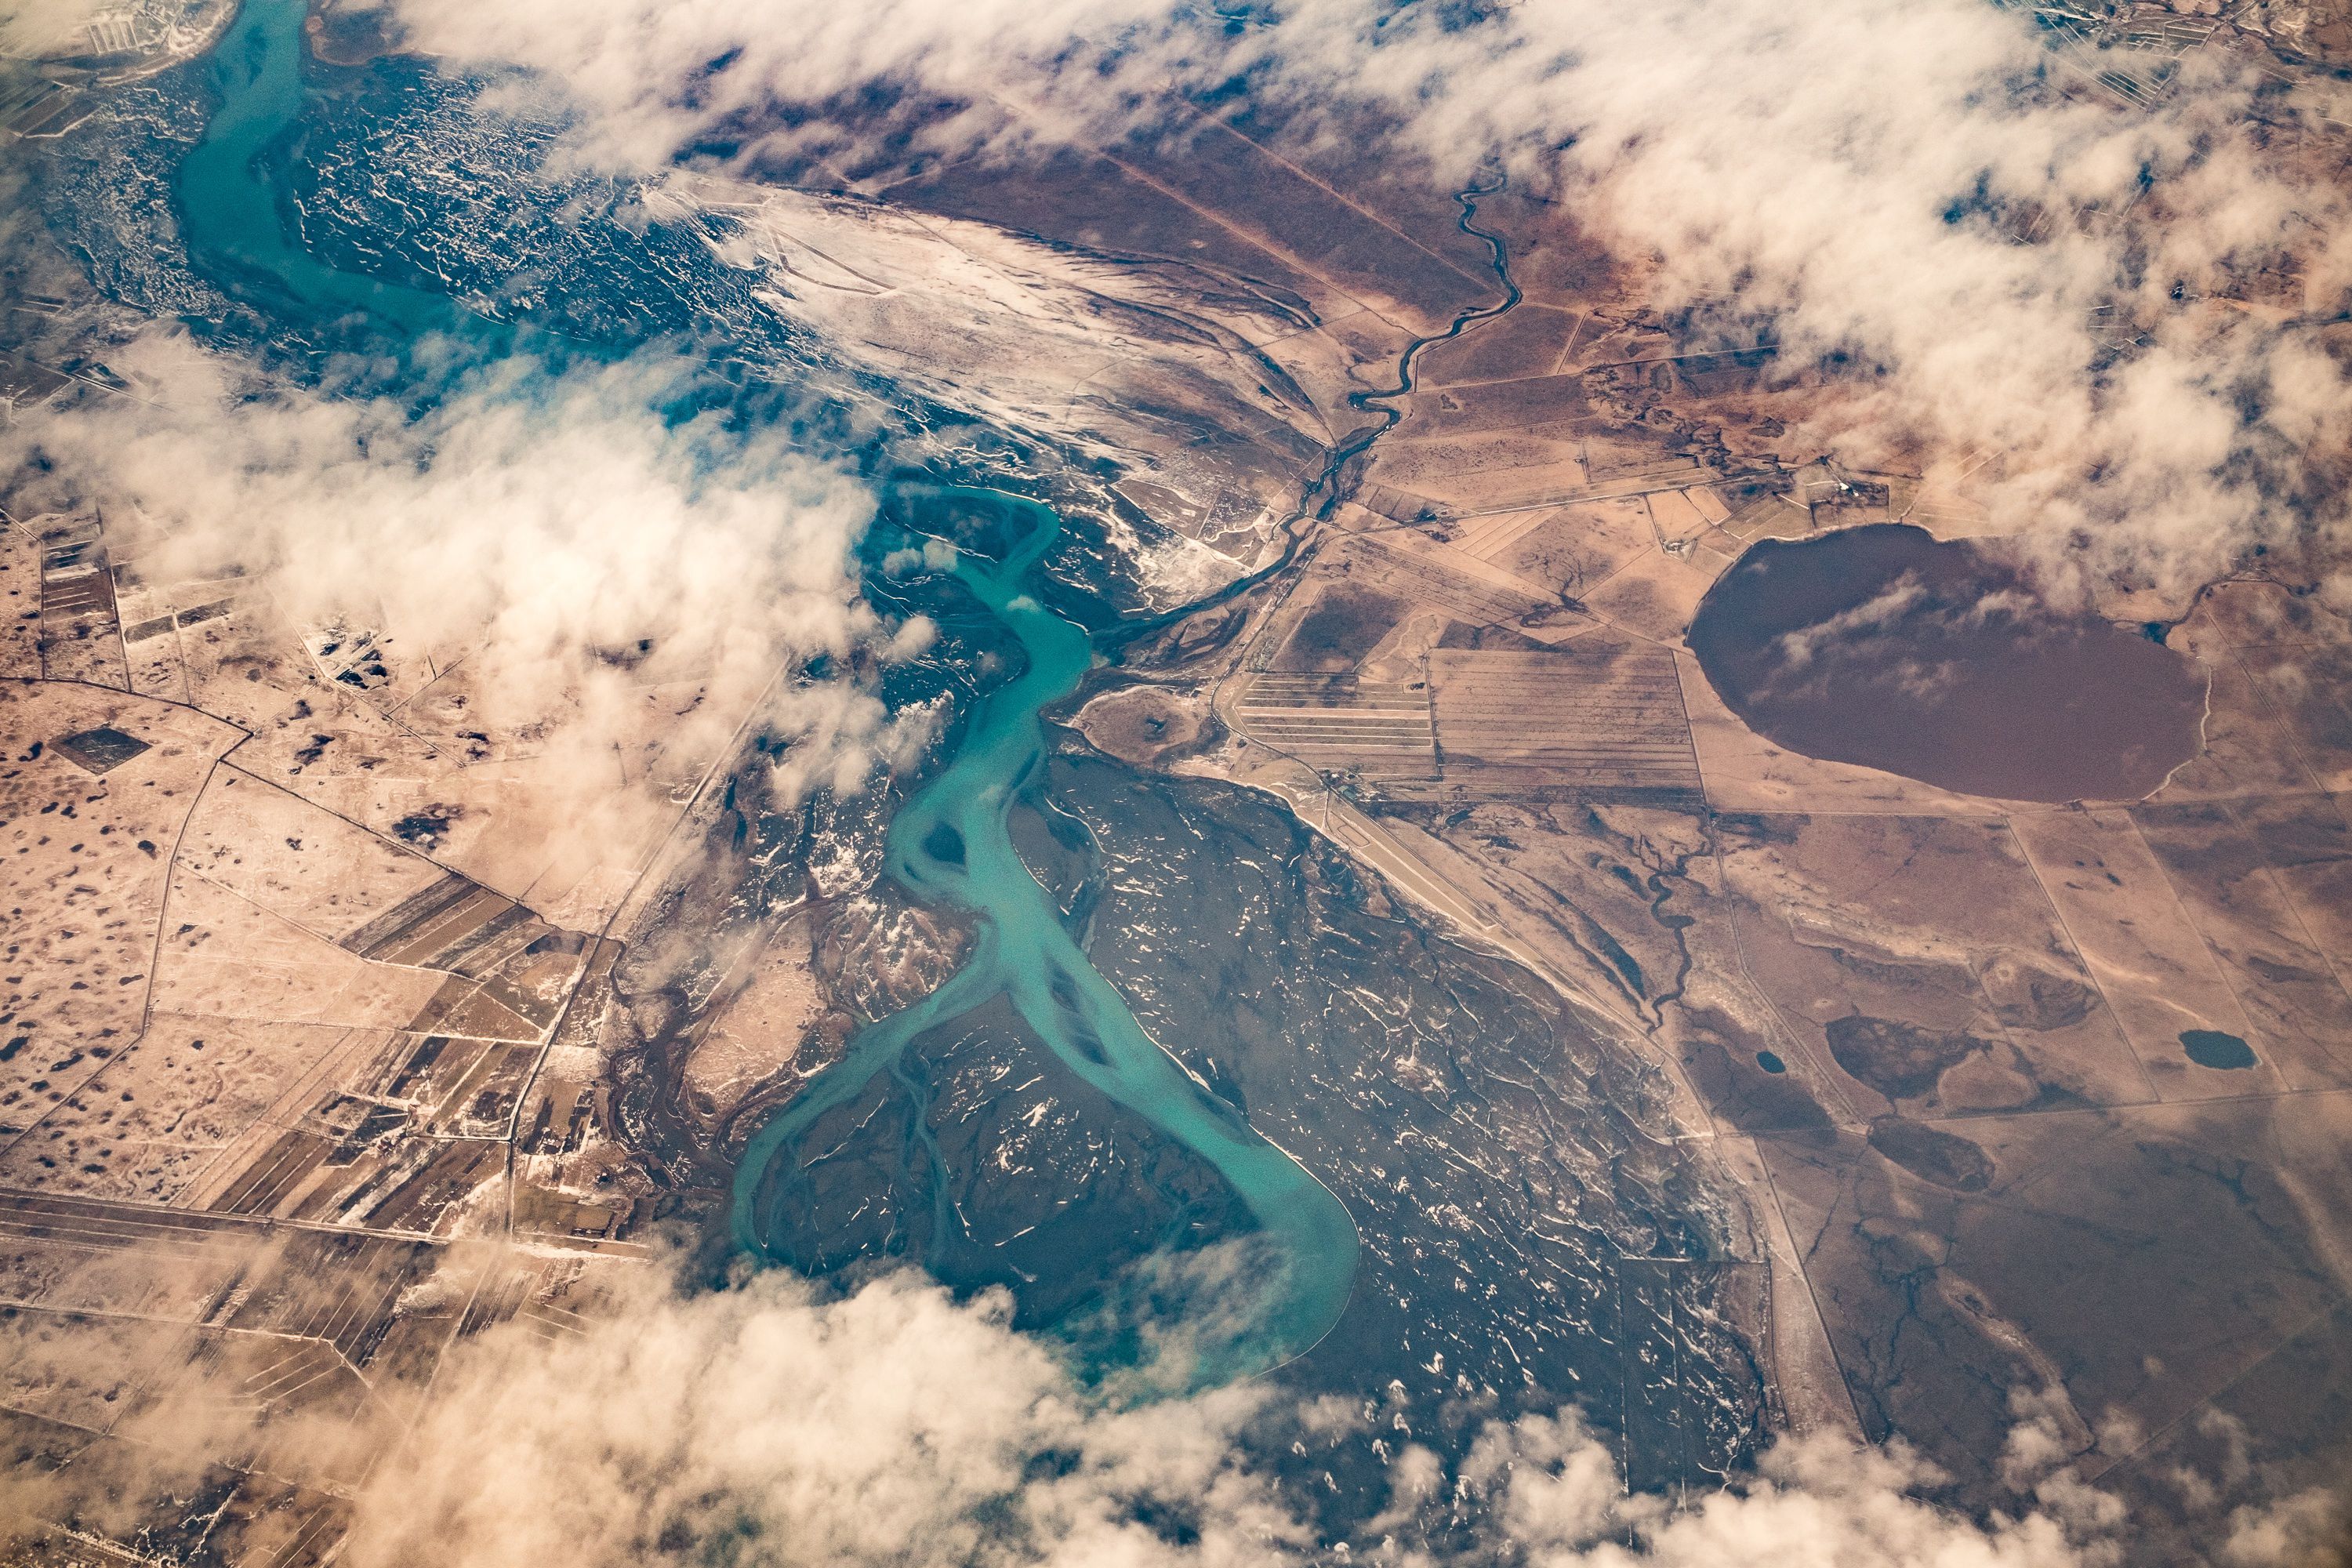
(2213, 1048)
(1884, 646)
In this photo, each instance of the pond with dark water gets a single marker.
(1941, 661)
(2214, 1048)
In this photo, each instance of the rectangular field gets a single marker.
(1603, 722)
(1335, 723)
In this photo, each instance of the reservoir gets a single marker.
(1938, 660)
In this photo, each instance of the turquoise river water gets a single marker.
(951, 843)
(228, 203)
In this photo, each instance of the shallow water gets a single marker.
(229, 201)
(952, 842)
(1886, 647)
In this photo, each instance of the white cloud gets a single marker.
(34, 28)
(2308, 1530)
(768, 1423)
(568, 538)
(761, 1424)
(1889, 604)
(660, 75)
(1853, 173)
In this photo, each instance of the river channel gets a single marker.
(949, 844)
(229, 204)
